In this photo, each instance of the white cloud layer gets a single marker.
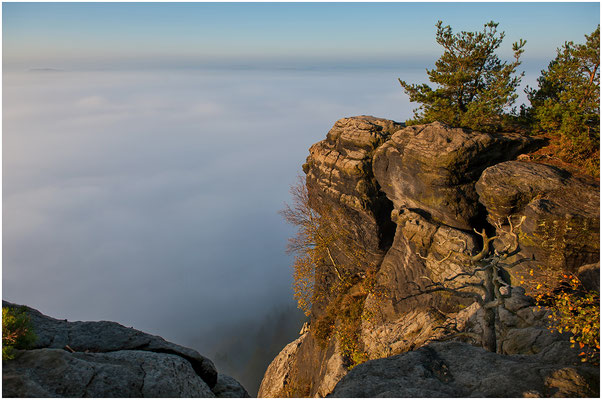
(151, 197)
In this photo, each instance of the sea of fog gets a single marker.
(151, 198)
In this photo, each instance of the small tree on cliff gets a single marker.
(567, 101)
(322, 239)
(474, 86)
(486, 282)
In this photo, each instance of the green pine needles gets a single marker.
(567, 102)
(474, 87)
(17, 332)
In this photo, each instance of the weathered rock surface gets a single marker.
(279, 370)
(127, 373)
(106, 336)
(106, 359)
(228, 387)
(293, 372)
(589, 275)
(434, 168)
(454, 369)
(562, 225)
(339, 173)
(397, 325)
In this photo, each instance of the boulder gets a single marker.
(562, 212)
(106, 359)
(106, 336)
(434, 167)
(455, 369)
(228, 387)
(53, 372)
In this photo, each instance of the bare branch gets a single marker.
(507, 252)
(517, 262)
(486, 242)
(437, 261)
(487, 265)
(469, 274)
(437, 287)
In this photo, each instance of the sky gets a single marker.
(147, 147)
(68, 35)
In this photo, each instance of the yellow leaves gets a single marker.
(573, 310)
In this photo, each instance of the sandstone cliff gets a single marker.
(106, 359)
(411, 197)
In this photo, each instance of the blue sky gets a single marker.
(47, 33)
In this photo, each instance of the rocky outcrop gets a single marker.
(304, 369)
(433, 168)
(106, 359)
(279, 370)
(456, 369)
(339, 174)
(415, 195)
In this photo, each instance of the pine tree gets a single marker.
(474, 86)
(567, 101)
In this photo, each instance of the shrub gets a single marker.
(573, 309)
(17, 332)
(348, 330)
(327, 251)
(567, 101)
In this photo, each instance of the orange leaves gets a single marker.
(573, 309)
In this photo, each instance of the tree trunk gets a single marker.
(489, 339)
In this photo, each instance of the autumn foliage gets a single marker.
(331, 266)
(323, 245)
(17, 332)
(573, 309)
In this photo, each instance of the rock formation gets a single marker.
(106, 359)
(412, 197)
(562, 212)
(455, 369)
